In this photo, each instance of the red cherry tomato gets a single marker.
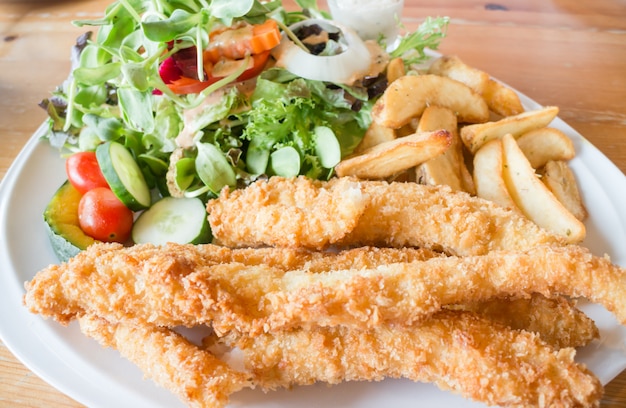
(102, 216)
(83, 172)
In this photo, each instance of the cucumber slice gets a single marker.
(327, 146)
(172, 219)
(124, 176)
(285, 162)
(62, 225)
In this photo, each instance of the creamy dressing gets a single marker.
(191, 129)
(378, 62)
(369, 18)
(225, 67)
(187, 137)
(230, 42)
(320, 38)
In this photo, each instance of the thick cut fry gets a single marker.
(561, 182)
(501, 99)
(436, 117)
(441, 171)
(389, 158)
(546, 144)
(396, 214)
(395, 69)
(172, 286)
(295, 215)
(375, 135)
(488, 176)
(452, 67)
(408, 96)
(556, 320)
(194, 375)
(457, 351)
(474, 136)
(448, 168)
(534, 198)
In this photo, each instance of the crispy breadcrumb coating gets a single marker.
(457, 351)
(175, 285)
(301, 214)
(556, 320)
(274, 212)
(196, 376)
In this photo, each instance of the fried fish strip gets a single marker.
(314, 261)
(287, 259)
(172, 286)
(395, 214)
(57, 292)
(457, 351)
(296, 215)
(196, 376)
(556, 320)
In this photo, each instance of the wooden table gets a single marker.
(564, 53)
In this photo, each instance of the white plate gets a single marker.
(97, 377)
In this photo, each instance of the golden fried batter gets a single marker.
(302, 214)
(196, 376)
(391, 214)
(556, 320)
(174, 285)
(457, 351)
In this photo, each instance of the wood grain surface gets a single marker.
(571, 54)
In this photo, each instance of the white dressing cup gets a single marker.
(371, 19)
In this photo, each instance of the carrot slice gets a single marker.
(184, 85)
(265, 36)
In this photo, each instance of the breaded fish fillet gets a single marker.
(121, 281)
(457, 351)
(173, 285)
(196, 376)
(293, 215)
(393, 214)
(556, 320)
(411, 214)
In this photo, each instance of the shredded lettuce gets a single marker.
(287, 114)
(413, 45)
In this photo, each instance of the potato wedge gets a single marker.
(438, 172)
(488, 175)
(452, 67)
(546, 144)
(560, 180)
(502, 100)
(408, 96)
(389, 158)
(448, 168)
(374, 135)
(437, 117)
(474, 136)
(534, 198)
(395, 69)
(408, 129)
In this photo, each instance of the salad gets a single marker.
(171, 101)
